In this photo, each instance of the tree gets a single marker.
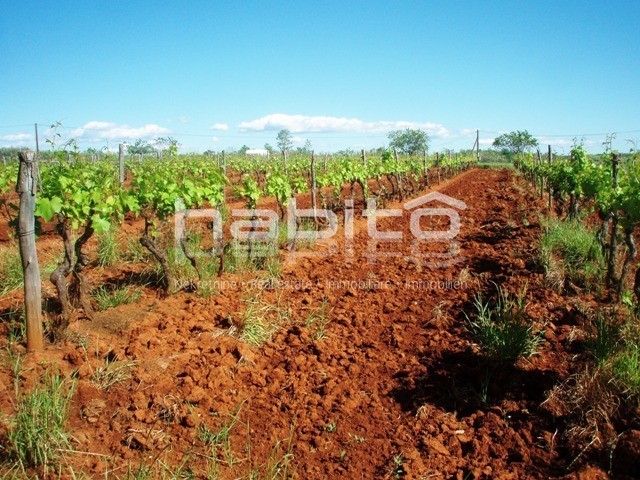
(308, 147)
(169, 144)
(284, 140)
(408, 141)
(243, 150)
(269, 148)
(140, 147)
(515, 142)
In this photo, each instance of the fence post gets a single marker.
(314, 204)
(27, 186)
(613, 239)
(549, 159)
(121, 161)
(364, 158)
(224, 163)
(424, 163)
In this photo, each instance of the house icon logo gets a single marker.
(435, 248)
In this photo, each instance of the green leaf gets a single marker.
(47, 208)
(100, 224)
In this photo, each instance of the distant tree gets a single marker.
(284, 140)
(167, 144)
(409, 141)
(308, 147)
(243, 150)
(515, 142)
(140, 147)
(269, 148)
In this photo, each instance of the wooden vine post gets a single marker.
(549, 158)
(613, 239)
(314, 201)
(26, 187)
(121, 161)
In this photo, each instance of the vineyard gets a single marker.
(230, 317)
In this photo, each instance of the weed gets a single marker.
(503, 331)
(14, 361)
(571, 253)
(332, 427)
(260, 320)
(604, 339)
(11, 276)
(134, 252)
(112, 373)
(318, 320)
(219, 441)
(397, 468)
(107, 298)
(625, 369)
(38, 429)
(108, 248)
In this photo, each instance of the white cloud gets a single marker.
(17, 137)
(316, 124)
(98, 131)
(222, 127)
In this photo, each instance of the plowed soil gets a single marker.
(372, 373)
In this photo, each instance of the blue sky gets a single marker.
(340, 73)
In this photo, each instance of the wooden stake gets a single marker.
(121, 161)
(424, 164)
(314, 204)
(27, 186)
(548, 182)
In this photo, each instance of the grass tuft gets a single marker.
(260, 320)
(11, 276)
(38, 429)
(107, 298)
(112, 373)
(569, 252)
(502, 329)
(109, 252)
(318, 319)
